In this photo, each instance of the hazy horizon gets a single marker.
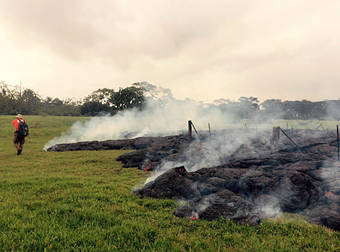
(203, 50)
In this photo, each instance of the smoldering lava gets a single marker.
(251, 181)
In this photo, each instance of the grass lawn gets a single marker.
(83, 201)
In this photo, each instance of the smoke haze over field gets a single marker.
(160, 117)
(199, 49)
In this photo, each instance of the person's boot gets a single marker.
(19, 151)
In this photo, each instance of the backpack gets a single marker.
(23, 129)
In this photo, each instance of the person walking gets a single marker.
(21, 131)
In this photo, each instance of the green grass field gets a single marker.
(84, 201)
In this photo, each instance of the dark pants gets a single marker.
(18, 141)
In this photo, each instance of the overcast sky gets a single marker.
(201, 49)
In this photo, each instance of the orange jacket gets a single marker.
(16, 122)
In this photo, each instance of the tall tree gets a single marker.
(127, 98)
(29, 102)
(98, 102)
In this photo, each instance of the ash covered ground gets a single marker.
(237, 174)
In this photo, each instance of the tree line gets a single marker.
(250, 107)
(102, 101)
(108, 101)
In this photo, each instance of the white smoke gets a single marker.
(332, 110)
(270, 210)
(159, 117)
(204, 203)
(209, 152)
(268, 206)
(330, 173)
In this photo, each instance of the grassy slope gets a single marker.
(83, 201)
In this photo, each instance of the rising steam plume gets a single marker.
(161, 116)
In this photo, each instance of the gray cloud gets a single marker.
(200, 49)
